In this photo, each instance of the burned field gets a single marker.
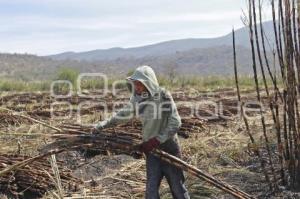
(213, 138)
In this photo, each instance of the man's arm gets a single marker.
(169, 110)
(122, 116)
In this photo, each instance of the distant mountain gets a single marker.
(184, 57)
(31, 67)
(203, 62)
(165, 48)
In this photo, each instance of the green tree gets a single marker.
(67, 74)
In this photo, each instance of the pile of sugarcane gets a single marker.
(24, 98)
(189, 126)
(32, 180)
(42, 105)
(114, 140)
(109, 141)
(7, 119)
(283, 104)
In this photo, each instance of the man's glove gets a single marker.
(99, 126)
(148, 146)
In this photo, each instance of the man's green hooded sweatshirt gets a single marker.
(156, 108)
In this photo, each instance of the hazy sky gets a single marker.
(53, 26)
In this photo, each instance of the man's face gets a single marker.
(139, 87)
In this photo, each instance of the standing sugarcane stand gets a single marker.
(160, 120)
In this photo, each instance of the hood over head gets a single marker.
(146, 75)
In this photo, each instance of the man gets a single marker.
(160, 121)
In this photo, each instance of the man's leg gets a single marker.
(154, 176)
(175, 180)
(173, 174)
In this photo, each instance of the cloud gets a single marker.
(53, 26)
(192, 17)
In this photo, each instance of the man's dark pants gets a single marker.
(157, 169)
